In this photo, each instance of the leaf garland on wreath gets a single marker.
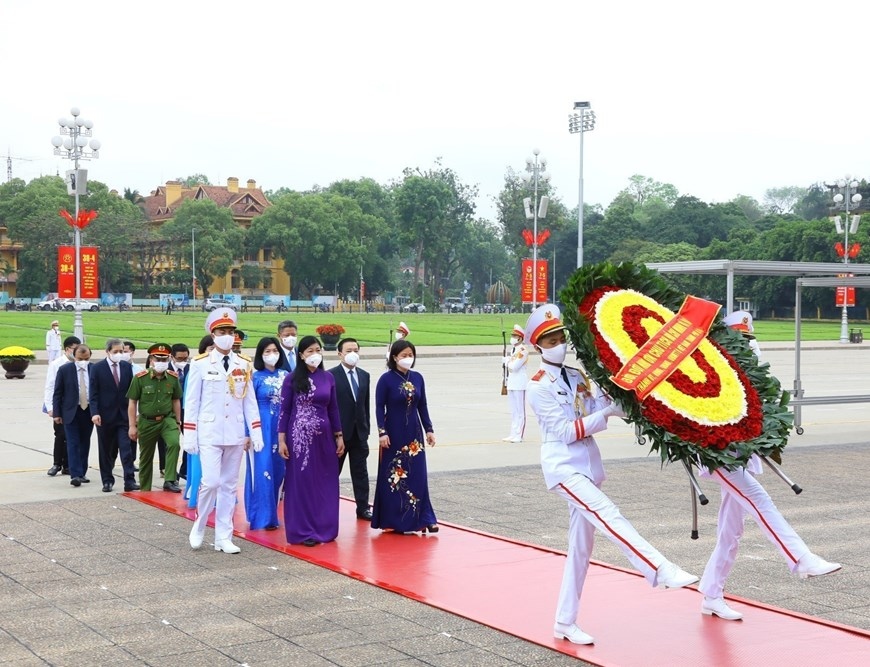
(719, 407)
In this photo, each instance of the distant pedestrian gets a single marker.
(52, 341)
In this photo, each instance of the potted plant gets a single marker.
(15, 360)
(329, 334)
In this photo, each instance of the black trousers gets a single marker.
(113, 440)
(59, 453)
(358, 451)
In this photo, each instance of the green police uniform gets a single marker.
(156, 419)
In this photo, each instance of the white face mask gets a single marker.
(405, 362)
(160, 366)
(555, 355)
(399, 335)
(271, 359)
(82, 364)
(126, 356)
(180, 365)
(314, 360)
(514, 340)
(224, 342)
(351, 359)
(289, 342)
(54, 329)
(115, 357)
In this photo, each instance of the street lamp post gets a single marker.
(848, 194)
(535, 173)
(579, 123)
(73, 147)
(193, 267)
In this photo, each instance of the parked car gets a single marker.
(210, 304)
(414, 308)
(70, 304)
(50, 304)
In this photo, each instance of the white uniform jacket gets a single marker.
(568, 416)
(518, 378)
(220, 407)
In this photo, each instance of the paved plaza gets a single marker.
(93, 578)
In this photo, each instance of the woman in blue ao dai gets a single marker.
(402, 493)
(264, 472)
(310, 439)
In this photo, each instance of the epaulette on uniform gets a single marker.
(172, 373)
(537, 376)
(142, 373)
(200, 356)
(243, 356)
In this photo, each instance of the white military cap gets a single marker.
(543, 320)
(220, 317)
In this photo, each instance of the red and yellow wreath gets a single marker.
(687, 382)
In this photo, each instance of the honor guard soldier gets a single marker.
(156, 393)
(222, 421)
(517, 379)
(569, 414)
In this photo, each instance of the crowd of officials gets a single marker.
(295, 423)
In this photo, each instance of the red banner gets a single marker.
(526, 281)
(662, 353)
(845, 297)
(66, 272)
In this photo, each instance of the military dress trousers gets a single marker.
(156, 420)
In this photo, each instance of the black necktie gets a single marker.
(565, 376)
(227, 363)
(353, 384)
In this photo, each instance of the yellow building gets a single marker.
(245, 203)
(9, 250)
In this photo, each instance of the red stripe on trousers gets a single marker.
(758, 513)
(609, 529)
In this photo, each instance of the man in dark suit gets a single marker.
(352, 391)
(70, 408)
(178, 362)
(107, 399)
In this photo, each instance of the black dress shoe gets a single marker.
(171, 486)
(65, 471)
(365, 515)
(132, 486)
(107, 488)
(310, 542)
(76, 481)
(85, 480)
(53, 471)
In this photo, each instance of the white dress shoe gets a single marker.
(515, 440)
(196, 539)
(227, 547)
(572, 633)
(815, 566)
(718, 607)
(507, 439)
(670, 576)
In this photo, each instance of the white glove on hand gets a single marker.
(505, 360)
(189, 444)
(257, 443)
(614, 410)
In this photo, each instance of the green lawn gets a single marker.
(371, 329)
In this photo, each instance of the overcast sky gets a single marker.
(718, 99)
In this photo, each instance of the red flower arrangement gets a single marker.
(718, 407)
(330, 330)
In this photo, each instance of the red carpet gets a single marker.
(512, 587)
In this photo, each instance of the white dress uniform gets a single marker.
(517, 380)
(568, 416)
(220, 412)
(53, 343)
(742, 495)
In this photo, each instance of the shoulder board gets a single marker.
(172, 373)
(243, 356)
(142, 373)
(537, 376)
(200, 356)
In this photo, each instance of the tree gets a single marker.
(193, 180)
(784, 199)
(219, 239)
(644, 189)
(749, 206)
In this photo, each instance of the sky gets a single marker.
(718, 99)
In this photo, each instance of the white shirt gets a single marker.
(50, 379)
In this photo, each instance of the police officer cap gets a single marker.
(220, 317)
(160, 350)
(740, 320)
(544, 320)
(518, 331)
(403, 329)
